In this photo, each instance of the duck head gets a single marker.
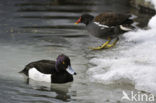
(85, 18)
(63, 64)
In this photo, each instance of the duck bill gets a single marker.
(78, 21)
(70, 70)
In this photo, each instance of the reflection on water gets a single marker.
(60, 92)
(49, 17)
(53, 27)
(38, 29)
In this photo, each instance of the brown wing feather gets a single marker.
(111, 19)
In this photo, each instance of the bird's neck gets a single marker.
(90, 21)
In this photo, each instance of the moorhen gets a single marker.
(107, 26)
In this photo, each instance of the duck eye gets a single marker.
(63, 62)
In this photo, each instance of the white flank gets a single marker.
(38, 76)
(124, 28)
(103, 26)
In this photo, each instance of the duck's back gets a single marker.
(43, 66)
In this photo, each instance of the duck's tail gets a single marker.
(24, 71)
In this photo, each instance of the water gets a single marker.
(43, 29)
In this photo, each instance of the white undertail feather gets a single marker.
(132, 17)
(34, 74)
(125, 28)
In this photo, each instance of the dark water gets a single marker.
(42, 29)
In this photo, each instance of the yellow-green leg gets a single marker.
(113, 44)
(102, 46)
